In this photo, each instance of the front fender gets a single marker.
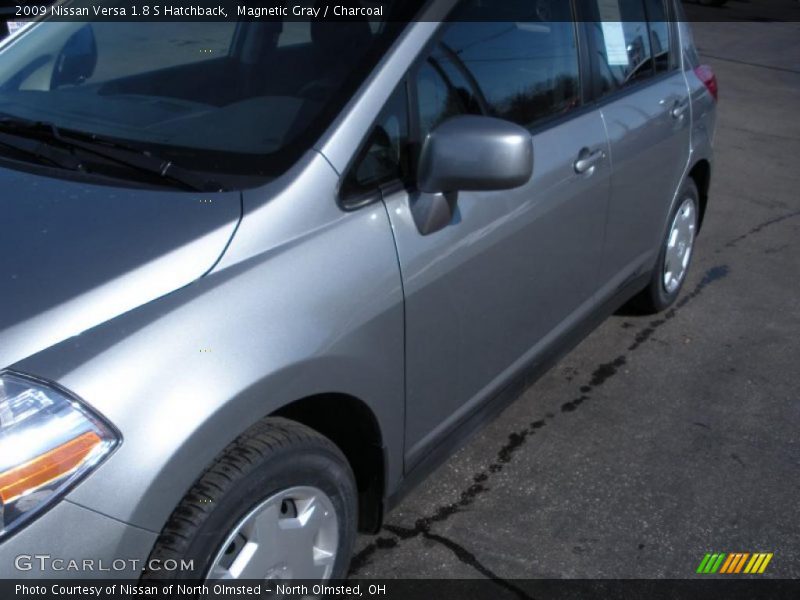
(318, 311)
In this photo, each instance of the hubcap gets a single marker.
(679, 246)
(293, 534)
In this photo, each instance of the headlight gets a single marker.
(48, 441)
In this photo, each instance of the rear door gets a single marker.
(644, 101)
(493, 282)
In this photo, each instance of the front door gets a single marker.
(509, 270)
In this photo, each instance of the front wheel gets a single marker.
(675, 255)
(279, 503)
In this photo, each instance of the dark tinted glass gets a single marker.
(660, 40)
(384, 157)
(525, 66)
(438, 99)
(466, 93)
(620, 37)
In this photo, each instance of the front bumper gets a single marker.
(70, 541)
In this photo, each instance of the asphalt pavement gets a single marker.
(687, 439)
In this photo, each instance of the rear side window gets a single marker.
(631, 41)
(620, 38)
(521, 60)
(660, 36)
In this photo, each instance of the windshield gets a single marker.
(227, 97)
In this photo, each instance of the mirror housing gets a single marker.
(475, 153)
(77, 60)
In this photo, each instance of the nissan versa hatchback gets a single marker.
(258, 278)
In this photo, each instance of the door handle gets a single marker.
(588, 160)
(679, 108)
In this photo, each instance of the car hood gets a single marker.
(73, 255)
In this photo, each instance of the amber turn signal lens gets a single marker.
(47, 467)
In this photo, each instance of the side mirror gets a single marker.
(473, 153)
(77, 60)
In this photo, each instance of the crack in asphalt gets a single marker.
(466, 557)
(759, 228)
(601, 374)
(460, 552)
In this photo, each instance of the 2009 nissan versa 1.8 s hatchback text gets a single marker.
(257, 278)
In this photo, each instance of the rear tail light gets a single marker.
(706, 75)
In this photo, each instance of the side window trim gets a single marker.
(414, 119)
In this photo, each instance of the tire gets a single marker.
(281, 476)
(660, 295)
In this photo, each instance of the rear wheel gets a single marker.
(675, 256)
(278, 504)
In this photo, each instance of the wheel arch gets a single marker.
(700, 173)
(350, 424)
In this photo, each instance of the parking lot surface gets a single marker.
(658, 439)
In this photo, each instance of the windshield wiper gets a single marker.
(42, 152)
(108, 149)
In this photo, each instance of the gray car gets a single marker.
(258, 278)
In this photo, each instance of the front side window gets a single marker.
(523, 58)
(439, 97)
(519, 63)
(229, 98)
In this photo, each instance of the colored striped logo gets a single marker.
(737, 562)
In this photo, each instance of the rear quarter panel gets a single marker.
(703, 105)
